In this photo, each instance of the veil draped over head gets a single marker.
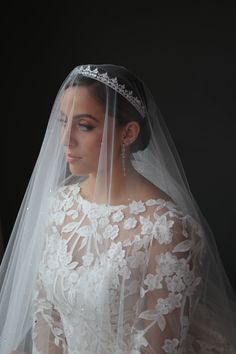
(110, 252)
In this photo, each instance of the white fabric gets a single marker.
(152, 246)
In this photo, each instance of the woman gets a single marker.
(110, 253)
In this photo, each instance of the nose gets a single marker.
(67, 136)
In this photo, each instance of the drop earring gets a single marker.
(123, 159)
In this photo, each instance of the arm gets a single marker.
(48, 334)
(169, 289)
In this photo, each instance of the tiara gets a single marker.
(114, 84)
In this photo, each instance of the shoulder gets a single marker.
(148, 190)
(157, 201)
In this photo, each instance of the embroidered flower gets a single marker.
(167, 305)
(119, 264)
(127, 242)
(104, 221)
(59, 254)
(144, 242)
(163, 306)
(188, 276)
(167, 263)
(73, 214)
(147, 225)
(92, 212)
(75, 189)
(67, 203)
(111, 231)
(183, 267)
(116, 251)
(174, 300)
(130, 223)
(161, 203)
(162, 231)
(87, 259)
(137, 207)
(151, 202)
(117, 216)
(153, 281)
(95, 211)
(175, 283)
(139, 340)
(170, 346)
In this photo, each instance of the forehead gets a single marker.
(78, 99)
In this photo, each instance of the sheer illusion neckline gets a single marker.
(92, 203)
(131, 202)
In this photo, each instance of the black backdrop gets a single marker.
(185, 53)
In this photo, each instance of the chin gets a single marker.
(78, 170)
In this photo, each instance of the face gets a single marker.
(82, 129)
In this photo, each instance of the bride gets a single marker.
(110, 252)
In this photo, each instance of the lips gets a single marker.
(72, 158)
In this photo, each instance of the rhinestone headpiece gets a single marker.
(114, 84)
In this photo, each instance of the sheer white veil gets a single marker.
(157, 160)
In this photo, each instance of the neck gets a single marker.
(116, 188)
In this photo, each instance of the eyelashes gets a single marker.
(83, 126)
(86, 127)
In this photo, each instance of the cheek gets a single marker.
(92, 144)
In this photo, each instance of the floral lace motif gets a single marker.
(117, 277)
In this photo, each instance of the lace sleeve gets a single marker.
(48, 334)
(170, 285)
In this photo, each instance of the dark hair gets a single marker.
(125, 112)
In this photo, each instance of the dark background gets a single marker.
(186, 54)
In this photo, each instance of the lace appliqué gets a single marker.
(90, 283)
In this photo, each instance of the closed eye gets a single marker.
(86, 127)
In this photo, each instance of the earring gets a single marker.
(123, 159)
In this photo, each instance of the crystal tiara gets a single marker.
(114, 84)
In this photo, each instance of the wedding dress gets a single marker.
(152, 262)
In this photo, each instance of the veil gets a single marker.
(110, 252)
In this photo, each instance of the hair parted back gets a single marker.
(124, 110)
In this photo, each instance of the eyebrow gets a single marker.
(83, 115)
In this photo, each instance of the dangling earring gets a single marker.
(123, 159)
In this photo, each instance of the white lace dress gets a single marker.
(118, 279)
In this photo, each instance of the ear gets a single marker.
(130, 132)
